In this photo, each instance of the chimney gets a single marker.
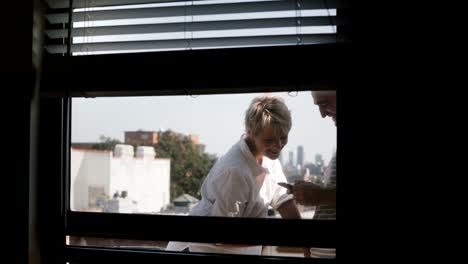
(145, 152)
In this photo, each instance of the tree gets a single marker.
(189, 165)
(106, 143)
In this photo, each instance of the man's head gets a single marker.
(326, 101)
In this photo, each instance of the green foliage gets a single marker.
(189, 164)
(106, 143)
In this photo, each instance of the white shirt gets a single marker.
(238, 186)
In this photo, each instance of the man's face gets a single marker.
(326, 101)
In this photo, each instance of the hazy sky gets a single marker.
(216, 119)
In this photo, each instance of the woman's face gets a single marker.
(270, 142)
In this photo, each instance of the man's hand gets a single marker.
(307, 193)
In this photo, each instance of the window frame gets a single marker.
(268, 69)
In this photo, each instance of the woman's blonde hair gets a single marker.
(268, 111)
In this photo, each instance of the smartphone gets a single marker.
(286, 185)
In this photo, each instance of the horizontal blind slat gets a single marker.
(214, 9)
(195, 43)
(192, 27)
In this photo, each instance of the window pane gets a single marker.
(150, 155)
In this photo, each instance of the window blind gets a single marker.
(124, 26)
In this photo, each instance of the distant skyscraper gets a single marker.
(291, 158)
(319, 164)
(318, 160)
(300, 155)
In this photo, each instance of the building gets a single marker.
(319, 160)
(97, 175)
(194, 138)
(145, 138)
(149, 138)
(300, 156)
(181, 205)
(291, 158)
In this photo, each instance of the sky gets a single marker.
(216, 119)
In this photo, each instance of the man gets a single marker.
(307, 193)
(324, 197)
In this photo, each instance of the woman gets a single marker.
(243, 182)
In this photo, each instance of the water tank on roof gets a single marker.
(145, 152)
(122, 150)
